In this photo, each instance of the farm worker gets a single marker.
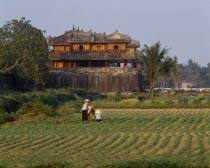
(98, 115)
(85, 110)
(90, 110)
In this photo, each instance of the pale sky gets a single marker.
(182, 25)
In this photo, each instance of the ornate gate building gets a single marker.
(107, 63)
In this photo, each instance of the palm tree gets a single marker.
(165, 70)
(152, 57)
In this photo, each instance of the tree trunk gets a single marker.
(152, 89)
(175, 84)
(148, 95)
(163, 84)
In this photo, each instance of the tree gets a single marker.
(165, 70)
(24, 50)
(152, 57)
(182, 74)
(193, 72)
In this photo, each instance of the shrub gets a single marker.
(9, 104)
(12, 103)
(141, 98)
(183, 101)
(5, 117)
(70, 106)
(36, 108)
(169, 103)
(196, 101)
(118, 97)
(154, 104)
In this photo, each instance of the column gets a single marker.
(107, 64)
(133, 64)
(125, 64)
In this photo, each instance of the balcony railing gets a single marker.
(91, 51)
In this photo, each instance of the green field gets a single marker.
(170, 134)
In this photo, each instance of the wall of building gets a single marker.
(102, 79)
(94, 47)
(131, 50)
(121, 46)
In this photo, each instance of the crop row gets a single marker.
(116, 144)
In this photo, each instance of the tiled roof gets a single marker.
(80, 36)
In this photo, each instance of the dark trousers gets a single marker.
(84, 115)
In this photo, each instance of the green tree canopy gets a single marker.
(166, 67)
(24, 50)
(152, 57)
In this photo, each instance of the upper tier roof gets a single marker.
(80, 36)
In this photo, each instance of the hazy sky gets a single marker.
(182, 25)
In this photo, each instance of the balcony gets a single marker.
(93, 55)
(91, 51)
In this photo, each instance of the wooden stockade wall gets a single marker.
(102, 79)
(8, 81)
(13, 81)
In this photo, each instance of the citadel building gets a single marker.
(107, 63)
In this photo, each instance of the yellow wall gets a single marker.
(68, 48)
(98, 47)
(85, 46)
(58, 65)
(95, 47)
(122, 46)
(131, 50)
(58, 48)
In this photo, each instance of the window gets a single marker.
(116, 47)
(81, 47)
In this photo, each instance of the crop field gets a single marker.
(125, 134)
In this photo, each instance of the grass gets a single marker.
(139, 136)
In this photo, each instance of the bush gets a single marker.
(36, 108)
(9, 104)
(5, 117)
(12, 103)
(70, 106)
(141, 98)
(183, 101)
(118, 97)
(169, 103)
(196, 101)
(154, 104)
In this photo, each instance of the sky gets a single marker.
(181, 25)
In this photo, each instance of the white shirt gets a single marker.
(85, 106)
(98, 116)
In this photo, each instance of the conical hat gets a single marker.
(98, 111)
